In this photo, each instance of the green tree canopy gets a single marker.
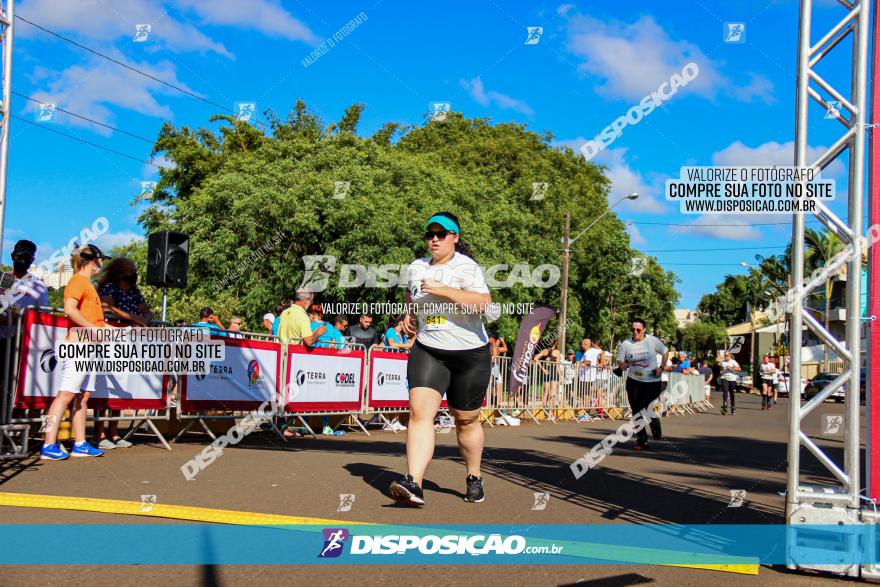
(234, 189)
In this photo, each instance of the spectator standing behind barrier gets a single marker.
(550, 363)
(29, 290)
(296, 328)
(124, 306)
(83, 308)
(498, 348)
(363, 332)
(706, 372)
(395, 337)
(295, 325)
(638, 355)
(268, 321)
(279, 309)
(729, 369)
(207, 319)
(333, 333)
(235, 324)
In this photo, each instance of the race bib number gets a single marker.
(436, 323)
(640, 373)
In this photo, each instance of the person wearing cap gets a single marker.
(268, 321)
(450, 356)
(82, 305)
(28, 290)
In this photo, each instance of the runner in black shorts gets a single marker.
(451, 356)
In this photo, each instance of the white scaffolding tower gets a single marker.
(838, 504)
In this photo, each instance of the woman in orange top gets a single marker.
(83, 308)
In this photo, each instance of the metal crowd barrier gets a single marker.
(23, 415)
(201, 410)
(551, 391)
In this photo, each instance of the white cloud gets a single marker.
(161, 161)
(481, 96)
(735, 227)
(635, 58)
(265, 16)
(771, 153)
(111, 240)
(635, 235)
(91, 90)
(564, 9)
(102, 21)
(626, 180)
(759, 89)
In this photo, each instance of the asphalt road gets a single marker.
(686, 479)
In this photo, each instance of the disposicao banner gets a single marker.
(527, 340)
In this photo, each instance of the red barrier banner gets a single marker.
(247, 377)
(388, 387)
(39, 372)
(322, 379)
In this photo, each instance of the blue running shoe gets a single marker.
(84, 449)
(52, 452)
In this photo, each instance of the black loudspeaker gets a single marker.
(168, 259)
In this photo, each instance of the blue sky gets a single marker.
(592, 63)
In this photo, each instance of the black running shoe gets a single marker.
(407, 491)
(474, 489)
(656, 431)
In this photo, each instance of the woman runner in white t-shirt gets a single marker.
(450, 356)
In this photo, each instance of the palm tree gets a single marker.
(821, 247)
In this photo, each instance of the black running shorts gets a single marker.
(463, 375)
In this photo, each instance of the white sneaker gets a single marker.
(106, 444)
(507, 420)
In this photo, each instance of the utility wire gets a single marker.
(125, 65)
(58, 132)
(93, 121)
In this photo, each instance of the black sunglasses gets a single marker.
(440, 234)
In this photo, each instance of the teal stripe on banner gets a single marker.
(444, 544)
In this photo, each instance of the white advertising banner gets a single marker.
(323, 379)
(39, 376)
(246, 377)
(388, 383)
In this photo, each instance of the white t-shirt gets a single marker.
(568, 372)
(27, 291)
(727, 369)
(664, 376)
(768, 370)
(440, 326)
(592, 355)
(642, 357)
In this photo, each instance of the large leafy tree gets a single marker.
(234, 189)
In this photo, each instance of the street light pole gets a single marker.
(563, 301)
(566, 256)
